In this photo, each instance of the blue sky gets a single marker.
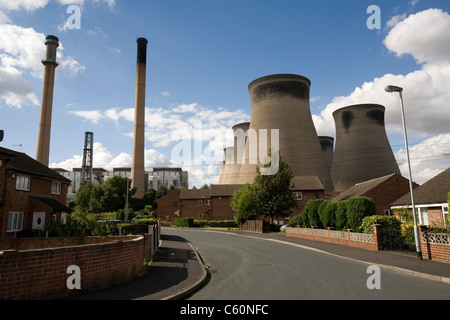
(201, 57)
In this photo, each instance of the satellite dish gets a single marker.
(2, 133)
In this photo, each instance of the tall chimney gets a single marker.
(138, 161)
(50, 64)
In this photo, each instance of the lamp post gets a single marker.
(416, 228)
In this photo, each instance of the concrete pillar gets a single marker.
(50, 64)
(138, 158)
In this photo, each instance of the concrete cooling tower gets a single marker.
(362, 150)
(281, 102)
(327, 144)
(230, 169)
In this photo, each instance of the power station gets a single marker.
(360, 151)
(281, 121)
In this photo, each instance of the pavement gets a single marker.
(177, 270)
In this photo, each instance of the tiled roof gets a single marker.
(362, 188)
(20, 162)
(433, 191)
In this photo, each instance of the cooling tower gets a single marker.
(327, 144)
(138, 158)
(362, 150)
(50, 64)
(227, 167)
(281, 102)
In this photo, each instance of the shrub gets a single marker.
(148, 221)
(184, 222)
(312, 211)
(321, 211)
(296, 221)
(386, 223)
(341, 215)
(357, 209)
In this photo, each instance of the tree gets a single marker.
(312, 213)
(114, 193)
(274, 196)
(341, 215)
(244, 203)
(88, 198)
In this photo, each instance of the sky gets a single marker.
(202, 54)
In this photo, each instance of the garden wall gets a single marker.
(435, 246)
(43, 273)
(348, 238)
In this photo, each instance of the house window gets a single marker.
(175, 204)
(423, 214)
(22, 182)
(298, 196)
(200, 202)
(15, 220)
(200, 216)
(445, 212)
(56, 188)
(208, 202)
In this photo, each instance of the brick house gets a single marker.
(196, 203)
(430, 200)
(221, 201)
(383, 190)
(169, 206)
(31, 194)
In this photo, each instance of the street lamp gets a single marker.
(416, 228)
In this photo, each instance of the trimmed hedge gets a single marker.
(184, 222)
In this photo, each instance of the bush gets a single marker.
(312, 211)
(147, 221)
(357, 209)
(296, 221)
(386, 223)
(184, 222)
(321, 211)
(216, 224)
(328, 216)
(341, 215)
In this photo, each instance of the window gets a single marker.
(208, 202)
(298, 196)
(56, 188)
(200, 216)
(200, 202)
(175, 204)
(22, 182)
(15, 220)
(445, 212)
(423, 216)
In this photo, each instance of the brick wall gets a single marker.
(221, 208)
(42, 273)
(434, 246)
(348, 238)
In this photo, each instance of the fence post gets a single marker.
(377, 235)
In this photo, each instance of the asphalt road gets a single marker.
(243, 267)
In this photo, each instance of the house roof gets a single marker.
(22, 163)
(223, 190)
(195, 194)
(307, 183)
(51, 203)
(433, 191)
(362, 188)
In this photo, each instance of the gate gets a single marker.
(392, 240)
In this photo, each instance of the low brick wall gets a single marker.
(435, 246)
(348, 238)
(42, 273)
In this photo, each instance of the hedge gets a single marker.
(184, 222)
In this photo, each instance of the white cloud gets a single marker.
(395, 20)
(428, 158)
(93, 116)
(21, 52)
(425, 35)
(165, 94)
(29, 5)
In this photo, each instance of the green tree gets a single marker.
(357, 209)
(274, 196)
(312, 213)
(341, 215)
(150, 198)
(328, 216)
(114, 193)
(88, 198)
(244, 203)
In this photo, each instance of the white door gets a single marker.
(38, 220)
